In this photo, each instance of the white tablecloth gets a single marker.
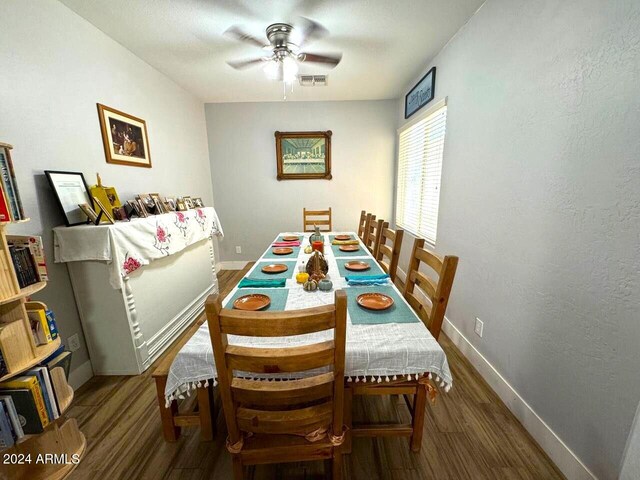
(384, 351)
(127, 246)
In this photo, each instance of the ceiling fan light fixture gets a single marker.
(290, 69)
(271, 70)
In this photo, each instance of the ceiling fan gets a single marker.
(286, 44)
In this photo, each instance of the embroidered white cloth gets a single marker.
(382, 351)
(127, 246)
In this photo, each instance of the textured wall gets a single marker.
(541, 200)
(55, 68)
(253, 206)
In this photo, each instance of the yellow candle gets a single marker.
(302, 277)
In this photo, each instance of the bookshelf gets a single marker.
(21, 352)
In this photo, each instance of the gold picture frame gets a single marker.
(303, 155)
(124, 138)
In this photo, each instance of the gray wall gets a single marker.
(55, 68)
(253, 206)
(541, 200)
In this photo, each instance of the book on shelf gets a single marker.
(36, 248)
(44, 379)
(10, 186)
(7, 435)
(39, 325)
(26, 271)
(53, 326)
(61, 359)
(10, 408)
(5, 214)
(3, 366)
(27, 409)
(30, 383)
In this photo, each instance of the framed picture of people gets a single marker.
(303, 155)
(124, 138)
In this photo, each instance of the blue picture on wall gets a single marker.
(421, 94)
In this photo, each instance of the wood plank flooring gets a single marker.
(469, 434)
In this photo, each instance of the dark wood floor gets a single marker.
(469, 434)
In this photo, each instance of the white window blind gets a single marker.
(421, 146)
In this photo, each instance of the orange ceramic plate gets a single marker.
(253, 301)
(374, 301)
(349, 248)
(282, 250)
(343, 237)
(275, 268)
(290, 238)
(357, 266)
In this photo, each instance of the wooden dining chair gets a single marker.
(288, 420)
(361, 224)
(436, 291)
(372, 234)
(322, 218)
(371, 218)
(387, 255)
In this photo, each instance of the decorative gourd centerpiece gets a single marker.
(317, 266)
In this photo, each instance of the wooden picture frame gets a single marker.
(303, 155)
(124, 138)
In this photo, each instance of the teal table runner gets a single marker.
(258, 274)
(399, 312)
(374, 270)
(294, 254)
(278, 297)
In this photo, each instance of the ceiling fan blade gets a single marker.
(307, 31)
(238, 33)
(245, 63)
(330, 60)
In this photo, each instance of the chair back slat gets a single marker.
(301, 421)
(389, 251)
(278, 324)
(279, 360)
(291, 392)
(316, 217)
(425, 283)
(437, 292)
(373, 234)
(298, 406)
(361, 224)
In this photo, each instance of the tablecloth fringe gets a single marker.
(180, 392)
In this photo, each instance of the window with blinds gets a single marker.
(421, 146)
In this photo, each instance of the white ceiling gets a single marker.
(385, 44)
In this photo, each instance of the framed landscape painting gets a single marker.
(124, 138)
(303, 155)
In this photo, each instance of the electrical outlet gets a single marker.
(479, 327)
(238, 249)
(74, 342)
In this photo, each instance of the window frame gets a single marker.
(406, 126)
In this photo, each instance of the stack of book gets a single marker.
(10, 203)
(30, 402)
(27, 254)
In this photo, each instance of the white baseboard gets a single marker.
(236, 265)
(568, 463)
(80, 375)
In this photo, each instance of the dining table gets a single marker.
(382, 347)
